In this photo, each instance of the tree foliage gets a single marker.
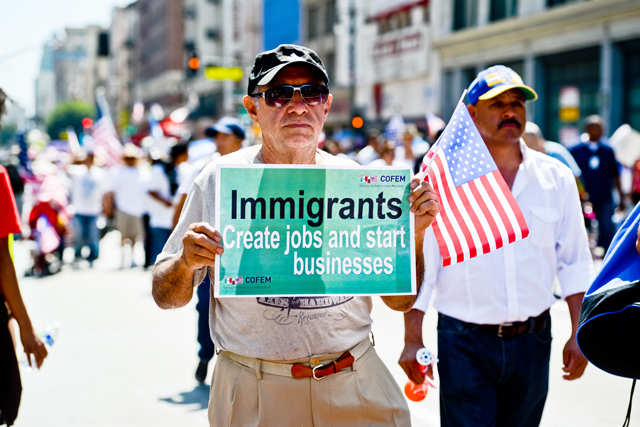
(7, 133)
(67, 114)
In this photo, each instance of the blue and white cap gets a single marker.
(495, 80)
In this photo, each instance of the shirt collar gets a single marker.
(525, 170)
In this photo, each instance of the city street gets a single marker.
(120, 361)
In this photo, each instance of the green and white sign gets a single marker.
(293, 230)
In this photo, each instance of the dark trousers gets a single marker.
(87, 233)
(607, 229)
(207, 349)
(159, 237)
(488, 381)
(147, 241)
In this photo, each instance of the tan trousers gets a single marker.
(366, 395)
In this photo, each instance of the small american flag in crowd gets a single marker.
(106, 146)
(478, 213)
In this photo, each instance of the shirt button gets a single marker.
(315, 361)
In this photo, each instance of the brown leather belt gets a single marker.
(318, 372)
(510, 330)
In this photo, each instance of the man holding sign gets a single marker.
(287, 361)
(493, 266)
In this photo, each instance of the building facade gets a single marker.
(585, 53)
(122, 65)
(159, 52)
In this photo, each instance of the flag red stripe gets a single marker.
(445, 226)
(487, 213)
(522, 224)
(448, 220)
(499, 207)
(476, 222)
(458, 217)
(444, 251)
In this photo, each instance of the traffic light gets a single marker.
(357, 121)
(193, 65)
(87, 123)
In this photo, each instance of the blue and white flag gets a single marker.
(23, 157)
(610, 315)
(395, 129)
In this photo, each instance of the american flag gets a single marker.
(478, 213)
(46, 235)
(106, 146)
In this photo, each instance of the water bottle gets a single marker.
(48, 337)
(417, 392)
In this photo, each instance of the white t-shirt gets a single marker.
(271, 328)
(160, 215)
(129, 185)
(87, 189)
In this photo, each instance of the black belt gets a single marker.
(510, 330)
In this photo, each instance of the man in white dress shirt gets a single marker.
(494, 328)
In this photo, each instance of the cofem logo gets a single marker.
(234, 280)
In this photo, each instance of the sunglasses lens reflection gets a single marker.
(282, 95)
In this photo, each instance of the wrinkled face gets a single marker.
(295, 126)
(227, 143)
(500, 119)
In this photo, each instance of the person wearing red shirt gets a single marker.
(10, 387)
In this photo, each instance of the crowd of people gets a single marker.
(156, 197)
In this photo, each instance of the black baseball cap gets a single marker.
(267, 64)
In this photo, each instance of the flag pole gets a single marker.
(423, 174)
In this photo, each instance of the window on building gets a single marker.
(330, 65)
(426, 13)
(502, 9)
(551, 3)
(578, 68)
(632, 85)
(313, 15)
(465, 14)
(330, 17)
(404, 18)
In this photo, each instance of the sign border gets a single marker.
(412, 249)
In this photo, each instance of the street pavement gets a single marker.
(120, 361)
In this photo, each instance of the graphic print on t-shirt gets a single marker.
(281, 308)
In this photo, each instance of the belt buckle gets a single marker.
(313, 372)
(500, 328)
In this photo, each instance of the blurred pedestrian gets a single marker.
(414, 138)
(229, 136)
(125, 198)
(535, 140)
(372, 151)
(163, 186)
(600, 175)
(387, 156)
(87, 191)
(12, 306)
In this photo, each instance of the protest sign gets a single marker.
(291, 230)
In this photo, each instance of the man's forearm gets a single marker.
(405, 302)
(413, 326)
(172, 283)
(9, 286)
(575, 304)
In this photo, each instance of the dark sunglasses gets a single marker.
(279, 96)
